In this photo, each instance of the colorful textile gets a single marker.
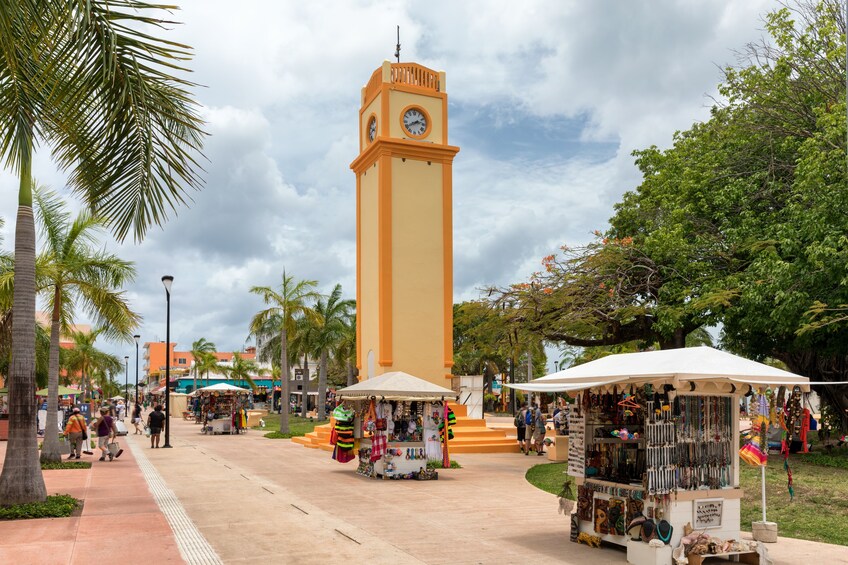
(378, 446)
(602, 516)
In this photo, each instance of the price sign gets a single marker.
(576, 445)
(707, 513)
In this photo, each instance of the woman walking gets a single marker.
(136, 418)
(75, 432)
(106, 431)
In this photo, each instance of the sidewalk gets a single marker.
(120, 519)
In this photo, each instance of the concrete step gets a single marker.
(484, 448)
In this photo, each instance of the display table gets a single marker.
(558, 450)
(221, 426)
(751, 558)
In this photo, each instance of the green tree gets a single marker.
(344, 358)
(77, 275)
(304, 346)
(241, 369)
(747, 212)
(334, 314)
(93, 365)
(89, 81)
(200, 352)
(288, 303)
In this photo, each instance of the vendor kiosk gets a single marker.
(392, 425)
(222, 408)
(654, 449)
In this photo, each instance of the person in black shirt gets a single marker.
(155, 421)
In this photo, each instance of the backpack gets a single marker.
(519, 421)
(528, 418)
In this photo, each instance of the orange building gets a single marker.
(155, 355)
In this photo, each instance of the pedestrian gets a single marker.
(520, 426)
(106, 431)
(539, 430)
(136, 418)
(121, 409)
(155, 421)
(75, 431)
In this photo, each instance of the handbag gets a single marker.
(114, 448)
(147, 431)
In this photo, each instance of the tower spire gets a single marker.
(397, 47)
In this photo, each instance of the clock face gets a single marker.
(372, 129)
(415, 122)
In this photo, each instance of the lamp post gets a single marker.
(126, 384)
(167, 280)
(136, 338)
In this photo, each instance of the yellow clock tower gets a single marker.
(404, 226)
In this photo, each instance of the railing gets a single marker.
(415, 75)
(405, 73)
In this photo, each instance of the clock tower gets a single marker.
(404, 229)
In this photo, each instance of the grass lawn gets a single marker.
(819, 512)
(297, 426)
(549, 477)
(820, 509)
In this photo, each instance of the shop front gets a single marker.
(393, 425)
(654, 450)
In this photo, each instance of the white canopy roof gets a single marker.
(690, 364)
(222, 387)
(396, 385)
(537, 386)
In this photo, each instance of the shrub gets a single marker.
(65, 465)
(56, 506)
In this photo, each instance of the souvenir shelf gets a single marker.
(673, 456)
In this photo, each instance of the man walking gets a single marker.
(521, 426)
(155, 421)
(539, 430)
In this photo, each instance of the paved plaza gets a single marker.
(240, 499)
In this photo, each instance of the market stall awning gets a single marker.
(690, 364)
(537, 386)
(63, 391)
(396, 385)
(222, 387)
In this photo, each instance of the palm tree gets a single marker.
(344, 356)
(76, 274)
(288, 303)
(206, 363)
(89, 81)
(91, 363)
(199, 350)
(303, 346)
(334, 314)
(241, 370)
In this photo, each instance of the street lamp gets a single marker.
(136, 338)
(126, 384)
(167, 280)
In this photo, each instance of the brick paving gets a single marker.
(120, 519)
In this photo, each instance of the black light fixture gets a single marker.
(126, 384)
(136, 338)
(167, 280)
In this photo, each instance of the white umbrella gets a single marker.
(222, 387)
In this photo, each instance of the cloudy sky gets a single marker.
(547, 100)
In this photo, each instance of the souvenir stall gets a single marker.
(654, 451)
(393, 424)
(222, 408)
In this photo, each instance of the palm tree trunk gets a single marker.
(284, 381)
(349, 373)
(322, 386)
(304, 399)
(21, 480)
(50, 447)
